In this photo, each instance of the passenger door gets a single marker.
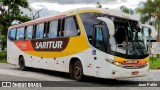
(98, 52)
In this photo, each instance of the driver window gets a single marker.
(99, 40)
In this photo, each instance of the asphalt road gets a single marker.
(62, 81)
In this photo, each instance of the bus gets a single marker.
(92, 42)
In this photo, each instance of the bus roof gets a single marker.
(110, 12)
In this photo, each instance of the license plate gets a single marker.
(131, 62)
(135, 73)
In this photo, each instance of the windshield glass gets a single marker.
(129, 38)
(127, 41)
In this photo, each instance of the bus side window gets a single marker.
(29, 31)
(20, 34)
(53, 28)
(39, 31)
(34, 31)
(17, 34)
(71, 27)
(25, 30)
(46, 29)
(89, 20)
(77, 27)
(61, 29)
(12, 34)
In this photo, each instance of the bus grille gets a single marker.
(134, 67)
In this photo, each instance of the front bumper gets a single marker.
(119, 72)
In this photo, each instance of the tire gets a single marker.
(22, 64)
(78, 71)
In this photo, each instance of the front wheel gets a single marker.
(77, 71)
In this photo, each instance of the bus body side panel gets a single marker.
(12, 53)
(97, 65)
(57, 64)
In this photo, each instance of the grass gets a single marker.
(3, 57)
(154, 63)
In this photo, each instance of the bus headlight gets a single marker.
(113, 62)
(118, 64)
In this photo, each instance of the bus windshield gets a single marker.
(127, 41)
(136, 44)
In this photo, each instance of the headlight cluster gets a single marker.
(113, 62)
(117, 64)
(110, 61)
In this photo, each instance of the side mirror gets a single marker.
(109, 23)
(153, 30)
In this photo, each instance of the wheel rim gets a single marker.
(77, 70)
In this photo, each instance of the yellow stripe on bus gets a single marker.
(119, 59)
(76, 45)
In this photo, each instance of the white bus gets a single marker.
(89, 41)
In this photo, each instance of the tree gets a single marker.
(99, 5)
(127, 10)
(151, 10)
(9, 11)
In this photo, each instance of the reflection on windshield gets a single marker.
(129, 38)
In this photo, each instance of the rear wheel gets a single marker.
(22, 64)
(78, 71)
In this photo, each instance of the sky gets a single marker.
(51, 7)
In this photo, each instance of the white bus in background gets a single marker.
(90, 41)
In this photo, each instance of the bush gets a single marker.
(3, 57)
(154, 63)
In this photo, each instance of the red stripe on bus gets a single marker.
(24, 45)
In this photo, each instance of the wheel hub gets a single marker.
(77, 70)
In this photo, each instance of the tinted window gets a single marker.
(71, 28)
(40, 30)
(46, 29)
(12, 34)
(21, 37)
(20, 34)
(53, 29)
(99, 41)
(17, 34)
(88, 19)
(29, 32)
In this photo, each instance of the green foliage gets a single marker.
(154, 63)
(12, 12)
(3, 57)
(127, 10)
(150, 9)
